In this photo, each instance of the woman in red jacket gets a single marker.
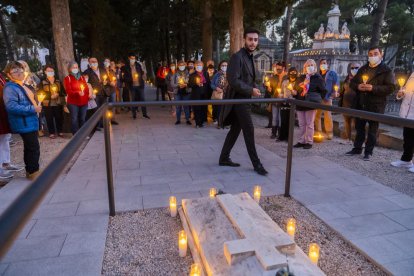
(78, 96)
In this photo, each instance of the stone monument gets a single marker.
(331, 44)
(231, 235)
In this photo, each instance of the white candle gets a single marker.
(314, 253)
(256, 193)
(173, 206)
(182, 243)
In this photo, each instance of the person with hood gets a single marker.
(347, 99)
(406, 94)
(373, 83)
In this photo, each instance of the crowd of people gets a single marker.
(26, 101)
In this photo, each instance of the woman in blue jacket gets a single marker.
(23, 111)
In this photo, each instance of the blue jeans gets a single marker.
(77, 116)
(178, 108)
(138, 96)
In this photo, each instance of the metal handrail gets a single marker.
(20, 210)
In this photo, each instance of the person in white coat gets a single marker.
(406, 94)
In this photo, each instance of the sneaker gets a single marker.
(299, 145)
(411, 169)
(177, 123)
(307, 146)
(5, 175)
(13, 168)
(402, 164)
(367, 157)
(353, 152)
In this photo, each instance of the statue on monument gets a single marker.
(320, 33)
(329, 31)
(345, 33)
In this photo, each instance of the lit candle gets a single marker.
(109, 114)
(401, 82)
(195, 270)
(181, 81)
(165, 74)
(104, 77)
(336, 89)
(314, 253)
(257, 190)
(198, 80)
(365, 78)
(291, 227)
(82, 87)
(54, 89)
(213, 192)
(136, 76)
(279, 90)
(113, 78)
(182, 243)
(173, 206)
(266, 78)
(318, 137)
(290, 86)
(95, 91)
(41, 97)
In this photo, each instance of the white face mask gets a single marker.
(94, 65)
(75, 71)
(50, 74)
(173, 68)
(182, 68)
(374, 60)
(132, 61)
(224, 68)
(324, 67)
(199, 68)
(310, 69)
(106, 64)
(354, 72)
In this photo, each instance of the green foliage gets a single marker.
(34, 65)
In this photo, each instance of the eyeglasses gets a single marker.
(354, 67)
(16, 71)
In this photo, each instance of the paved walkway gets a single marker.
(154, 159)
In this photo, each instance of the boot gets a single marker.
(274, 130)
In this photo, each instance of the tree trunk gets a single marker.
(62, 35)
(236, 26)
(10, 53)
(207, 31)
(187, 33)
(379, 19)
(286, 38)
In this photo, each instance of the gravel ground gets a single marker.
(337, 257)
(144, 243)
(378, 169)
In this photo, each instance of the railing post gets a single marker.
(290, 149)
(108, 157)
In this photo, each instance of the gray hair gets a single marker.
(71, 63)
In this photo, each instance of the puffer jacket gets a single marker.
(407, 105)
(21, 112)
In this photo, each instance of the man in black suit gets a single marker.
(241, 77)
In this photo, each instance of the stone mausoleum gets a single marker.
(329, 43)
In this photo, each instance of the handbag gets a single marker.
(313, 97)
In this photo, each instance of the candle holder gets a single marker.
(173, 206)
(213, 192)
(401, 82)
(314, 253)
(182, 243)
(291, 227)
(365, 78)
(195, 270)
(257, 191)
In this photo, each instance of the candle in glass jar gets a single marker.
(182, 243)
(291, 227)
(173, 206)
(213, 192)
(257, 190)
(195, 270)
(314, 253)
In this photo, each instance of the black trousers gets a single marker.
(31, 152)
(54, 115)
(284, 126)
(408, 134)
(360, 135)
(241, 121)
(198, 114)
(163, 89)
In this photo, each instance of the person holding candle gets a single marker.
(92, 106)
(308, 87)
(133, 78)
(209, 72)
(197, 83)
(161, 80)
(332, 86)
(182, 92)
(347, 99)
(170, 88)
(287, 88)
(53, 102)
(78, 95)
(109, 85)
(219, 85)
(22, 110)
(241, 76)
(406, 94)
(373, 83)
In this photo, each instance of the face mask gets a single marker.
(374, 60)
(94, 65)
(224, 68)
(75, 71)
(182, 68)
(354, 72)
(199, 68)
(173, 68)
(190, 67)
(50, 74)
(324, 67)
(279, 71)
(310, 69)
(132, 61)
(106, 64)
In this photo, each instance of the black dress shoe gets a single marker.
(177, 123)
(229, 163)
(114, 123)
(299, 145)
(260, 170)
(307, 146)
(146, 116)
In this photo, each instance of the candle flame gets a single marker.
(213, 192)
(365, 78)
(401, 82)
(41, 97)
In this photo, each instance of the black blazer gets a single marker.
(93, 79)
(126, 75)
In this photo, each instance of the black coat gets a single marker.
(316, 84)
(241, 79)
(197, 92)
(94, 80)
(383, 82)
(126, 75)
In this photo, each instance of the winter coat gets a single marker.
(331, 79)
(347, 95)
(316, 84)
(20, 110)
(126, 75)
(73, 88)
(407, 105)
(383, 82)
(46, 87)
